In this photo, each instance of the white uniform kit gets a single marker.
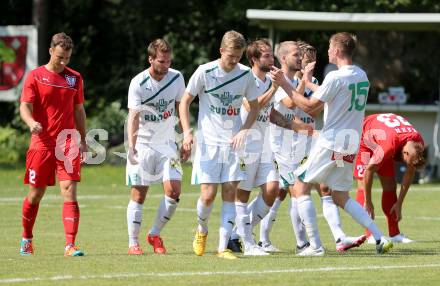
(331, 159)
(220, 99)
(260, 163)
(156, 143)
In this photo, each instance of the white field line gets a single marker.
(210, 273)
(51, 197)
(90, 197)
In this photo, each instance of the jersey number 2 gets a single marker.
(358, 90)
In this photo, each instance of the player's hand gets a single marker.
(184, 155)
(83, 151)
(239, 139)
(187, 141)
(308, 71)
(35, 127)
(397, 210)
(132, 155)
(369, 208)
(277, 76)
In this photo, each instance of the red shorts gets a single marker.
(386, 168)
(41, 166)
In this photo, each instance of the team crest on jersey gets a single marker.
(161, 105)
(226, 98)
(71, 80)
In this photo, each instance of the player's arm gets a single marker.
(184, 155)
(296, 124)
(368, 184)
(262, 99)
(185, 102)
(404, 187)
(238, 140)
(80, 121)
(132, 130)
(26, 109)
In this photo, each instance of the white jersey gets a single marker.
(157, 102)
(220, 98)
(345, 94)
(257, 134)
(304, 116)
(281, 138)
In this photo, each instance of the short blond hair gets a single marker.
(233, 40)
(346, 42)
(283, 48)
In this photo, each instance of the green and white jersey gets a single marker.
(220, 97)
(344, 92)
(281, 139)
(156, 101)
(256, 140)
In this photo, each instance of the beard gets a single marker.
(264, 68)
(160, 72)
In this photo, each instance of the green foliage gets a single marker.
(13, 146)
(110, 118)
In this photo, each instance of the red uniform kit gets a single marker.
(383, 137)
(53, 97)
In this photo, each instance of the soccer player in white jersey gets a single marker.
(283, 141)
(329, 208)
(153, 99)
(343, 95)
(221, 86)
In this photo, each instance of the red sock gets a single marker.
(388, 200)
(70, 221)
(29, 214)
(360, 198)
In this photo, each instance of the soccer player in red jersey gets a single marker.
(387, 138)
(52, 106)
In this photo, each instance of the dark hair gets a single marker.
(253, 49)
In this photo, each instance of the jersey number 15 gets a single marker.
(358, 90)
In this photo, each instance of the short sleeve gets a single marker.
(196, 82)
(28, 93)
(134, 94)
(251, 88)
(328, 90)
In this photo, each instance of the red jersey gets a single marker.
(389, 131)
(53, 97)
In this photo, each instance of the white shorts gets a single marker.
(216, 165)
(259, 172)
(327, 167)
(286, 167)
(153, 166)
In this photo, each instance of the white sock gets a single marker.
(268, 221)
(134, 221)
(226, 224)
(203, 213)
(243, 221)
(165, 211)
(331, 214)
(361, 217)
(257, 210)
(298, 226)
(307, 212)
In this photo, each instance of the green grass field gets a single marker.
(102, 235)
